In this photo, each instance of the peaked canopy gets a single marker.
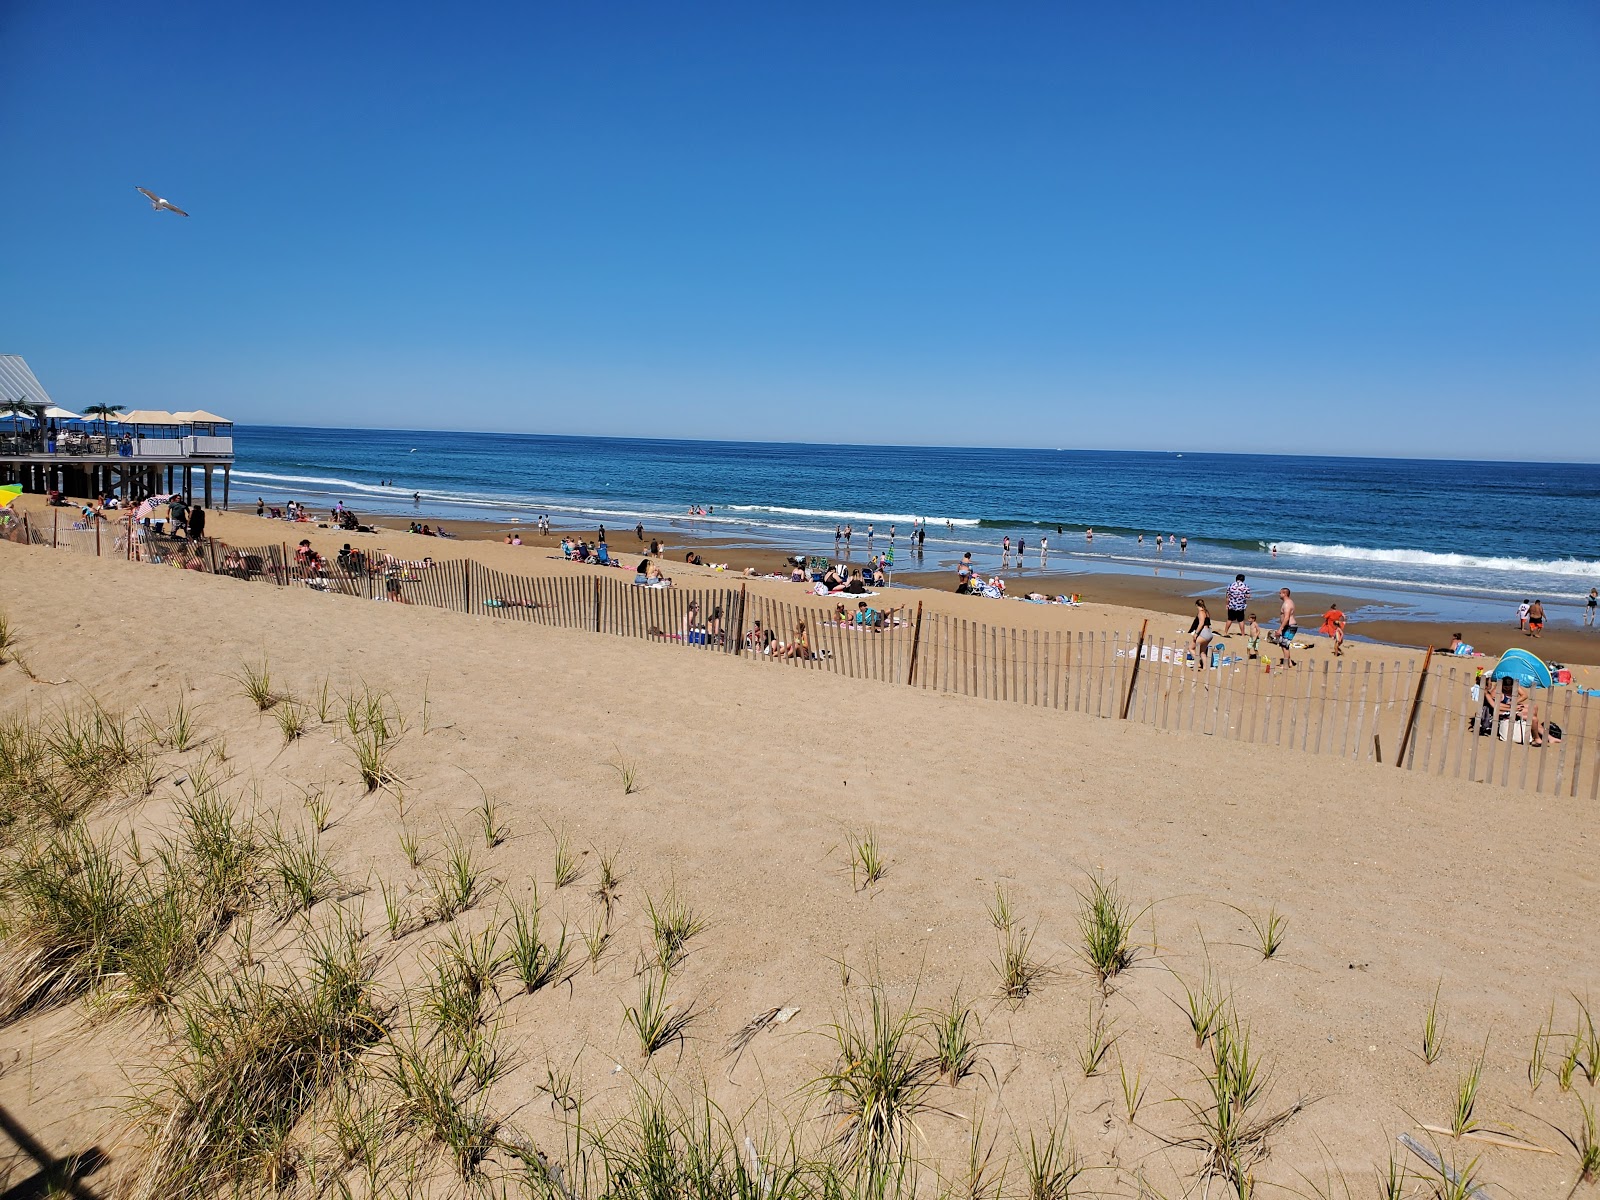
(57, 413)
(149, 416)
(1527, 669)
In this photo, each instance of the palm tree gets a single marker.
(103, 412)
(16, 410)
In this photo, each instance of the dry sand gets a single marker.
(1391, 883)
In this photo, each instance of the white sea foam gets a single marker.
(830, 514)
(1583, 568)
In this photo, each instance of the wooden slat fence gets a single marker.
(1359, 711)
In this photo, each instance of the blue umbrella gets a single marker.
(1527, 669)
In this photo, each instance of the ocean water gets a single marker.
(1465, 529)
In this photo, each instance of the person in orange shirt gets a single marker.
(1333, 623)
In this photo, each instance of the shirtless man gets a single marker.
(1286, 628)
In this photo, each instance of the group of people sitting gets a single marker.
(427, 532)
(578, 550)
(1508, 709)
(839, 579)
(865, 616)
(761, 640)
(648, 574)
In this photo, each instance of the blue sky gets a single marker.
(1364, 228)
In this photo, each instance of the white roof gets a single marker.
(54, 413)
(202, 416)
(149, 416)
(18, 382)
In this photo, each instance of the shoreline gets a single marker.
(1167, 591)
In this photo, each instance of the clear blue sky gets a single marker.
(1368, 228)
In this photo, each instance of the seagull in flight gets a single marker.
(157, 203)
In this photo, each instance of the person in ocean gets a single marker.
(1588, 612)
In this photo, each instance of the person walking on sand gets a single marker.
(1200, 633)
(1238, 598)
(1286, 627)
(1522, 616)
(1588, 612)
(639, 529)
(1333, 623)
(1535, 616)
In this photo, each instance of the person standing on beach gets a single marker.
(1522, 616)
(639, 529)
(197, 523)
(1005, 547)
(1588, 612)
(838, 534)
(1286, 627)
(964, 574)
(1238, 598)
(922, 536)
(1044, 550)
(1535, 614)
(1022, 548)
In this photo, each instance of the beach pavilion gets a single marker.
(139, 452)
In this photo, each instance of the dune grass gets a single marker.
(1019, 971)
(656, 1022)
(1433, 1029)
(256, 1050)
(255, 684)
(672, 924)
(1585, 1143)
(609, 889)
(1097, 1044)
(56, 767)
(867, 863)
(1105, 921)
(566, 866)
(302, 874)
(878, 1084)
(1204, 1004)
(293, 720)
(1050, 1165)
(534, 959)
(1462, 1119)
(456, 886)
(952, 1029)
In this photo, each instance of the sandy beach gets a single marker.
(747, 788)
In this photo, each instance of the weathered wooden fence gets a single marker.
(1421, 716)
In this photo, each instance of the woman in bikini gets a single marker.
(1200, 632)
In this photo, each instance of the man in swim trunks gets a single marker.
(1333, 625)
(1286, 628)
(1238, 598)
(1536, 619)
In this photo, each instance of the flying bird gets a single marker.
(157, 203)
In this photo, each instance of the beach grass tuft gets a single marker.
(596, 937)
(1541, 1047)
(1105, 921)
(1001, 914)
(1433, 1029)
(255, 684)
(1462, 1119)
(867, 863)
(8, 639)
(1050, 1165)
(567, 865)
(180, 731)
(609, 889)
(256, 1052)
(877, 1085)
(458, 885)
(1097, 1044)
(1203, 1003)
(1133, 1088)
(489, 821)
(672, 923)
(411, 846)
(465, 968)
(1585, 1143)
(627, 770)
(535, 960)
(438, 1089)
(1019, 971)
(656, 1022)
(319, 806)
(303, 874)
(953, 1028)
(293, 721)
(1269, 929)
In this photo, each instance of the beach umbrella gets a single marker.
(152, 503)
(1527, 669)
(8, 493)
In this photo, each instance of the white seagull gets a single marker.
(157, 203)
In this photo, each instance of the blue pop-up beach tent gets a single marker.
(1527, 669)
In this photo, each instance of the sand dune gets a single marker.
(750, 786)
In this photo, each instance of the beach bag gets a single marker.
(1513, 731)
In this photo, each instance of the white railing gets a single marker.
(158, 447)
(208, 446)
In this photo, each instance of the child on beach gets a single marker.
(1252, 634)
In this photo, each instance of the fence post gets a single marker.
(1411, 717)
(466, 586)
(597, 604)
(916, 640)
(55, 528)
(211, 552)
(1133, 675)
(97, 537)
(27, 533)
(738, 633)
